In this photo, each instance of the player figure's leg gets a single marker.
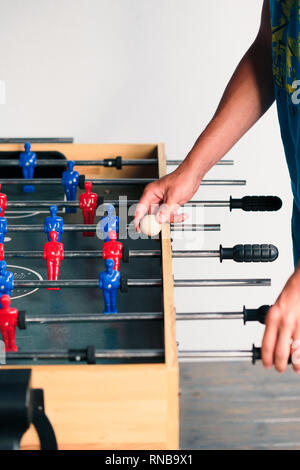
(88, 216)
(113, 301)
(117, 263)
(85, 216)
(73, 191)
(68, 193)
(11, 335)
(51, 265)
(5, 337)
(55, 270)
(28, 174)
(71, 196)
(25, 172)
(106, 295)
(2, 236)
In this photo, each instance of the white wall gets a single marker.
(153, 70)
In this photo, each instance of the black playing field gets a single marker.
(138, 334)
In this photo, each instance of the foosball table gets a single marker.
(97, 354)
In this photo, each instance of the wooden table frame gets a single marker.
(130, 406)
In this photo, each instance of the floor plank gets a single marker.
(238, 406)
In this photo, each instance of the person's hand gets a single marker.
(165, 196)
(282, 334)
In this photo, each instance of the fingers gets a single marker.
(276, 345)
(270, 338)
(150, 197)
(283, 347)
(295, 350)
(167, 212)
(153, 209)
(179, 218)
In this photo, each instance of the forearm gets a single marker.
(247, 97)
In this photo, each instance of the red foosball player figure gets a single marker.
(88, 204)
(1, 251)
(113, 249)
(53, 254)
(3, 202)
(8, 324)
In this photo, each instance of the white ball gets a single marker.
(149, 226)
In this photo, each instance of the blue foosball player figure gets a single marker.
(70, 181)
(27, 162)
(3, 227)
(109, 222)
(109, 282)
(54, 222)
(6, 280)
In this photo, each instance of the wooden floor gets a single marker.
(238, 406)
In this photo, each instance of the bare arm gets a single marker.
(247, 97)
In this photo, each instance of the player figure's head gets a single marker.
(27, 147)
(3, 266)
(88, 187)
(109, 264)
(5, 301)
(112, 235)
(110, 210)
(53, 211)
(53, 236)
(71, 164)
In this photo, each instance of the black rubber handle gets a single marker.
(87, 355)
(125, 257)
(256, 314)
(113, 162)
(256, 203)
(100, 200)
(124, 284)
(250, 253)
(256, 355)
(81, 181)
(22, 325)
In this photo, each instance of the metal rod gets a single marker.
(99, 354)
(76, 283)
(132, 254)
(216, 354)
(210, 316)
(196, 254)
(119, 181)
(128, 354)
(222, 282)
(195, 227)
(93, 228)
(53, 162)
(178, 162)
(36, 140)
(112, 182)
(132, 316)
(115, 202)
(133, 162)
(93, 317)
